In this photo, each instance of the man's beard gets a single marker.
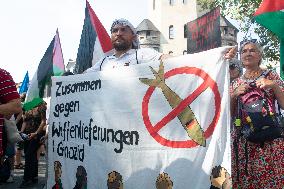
(122, 46)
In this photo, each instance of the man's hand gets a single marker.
(165, 56)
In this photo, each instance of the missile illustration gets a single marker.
(186, 117)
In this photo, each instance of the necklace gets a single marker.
(253, 74)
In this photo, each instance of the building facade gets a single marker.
(149, 35)
(170, 17)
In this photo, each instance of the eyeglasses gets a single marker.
(232, 66)
(247, 41)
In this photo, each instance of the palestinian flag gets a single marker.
(51, 64)
(95, 42)
(270, 14)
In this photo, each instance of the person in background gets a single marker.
(20, 145)
(235, 69)
(10, 153)
(256, 165)
(9, 104)
(34, 121)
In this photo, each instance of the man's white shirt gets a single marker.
(131, 57)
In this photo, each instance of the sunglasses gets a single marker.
(247, 41)
(232, 66)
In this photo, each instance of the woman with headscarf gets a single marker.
(256, 165)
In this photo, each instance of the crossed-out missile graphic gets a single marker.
(186, 117)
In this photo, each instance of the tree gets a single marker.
(243, 10)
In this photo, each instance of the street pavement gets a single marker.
(19, 173)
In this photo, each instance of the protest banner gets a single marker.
(141, 126)
(204, 32)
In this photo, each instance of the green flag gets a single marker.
(270, 14)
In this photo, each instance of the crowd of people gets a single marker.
(254, 165)
(30, 120)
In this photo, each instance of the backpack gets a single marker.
(256, 119)
(257, 114)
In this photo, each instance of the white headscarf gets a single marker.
(124, 22)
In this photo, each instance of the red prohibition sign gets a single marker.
(154, 129)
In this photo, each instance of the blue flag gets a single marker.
(25, 84)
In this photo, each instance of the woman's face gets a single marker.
(250, 55)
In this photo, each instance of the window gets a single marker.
(171, 2)
(154, 4)
(184, 52)
(141, 37)
(185, 31)
(147, 34)
(171, 32)
(225, 30)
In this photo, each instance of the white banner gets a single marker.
(125, 126)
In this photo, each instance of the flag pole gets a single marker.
(282, 58)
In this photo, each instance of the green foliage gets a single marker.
(242, 11)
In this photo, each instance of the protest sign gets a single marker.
(204, 32)
(141, 126)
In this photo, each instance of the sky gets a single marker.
(28, 26)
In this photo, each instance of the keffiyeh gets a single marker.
(125, 22)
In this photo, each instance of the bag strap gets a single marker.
(239, 113)
(264, 74)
